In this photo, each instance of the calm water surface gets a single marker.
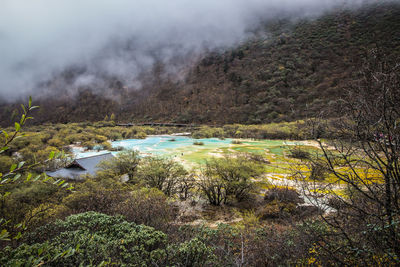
(159, 145)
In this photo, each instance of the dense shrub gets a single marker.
(281, 202)
(229, 177)
(93, 238)
(135, 133)
(208, 132)
(18, 206)
(125, 163)
(197, 143)
(139, 205)
(5, 163)
(147, 206)
(276, 209)
(283, 194)
(161, 173)
(299, 153)
(255, 157)
(249, 244)
(318, 171)
(98, 238)
(213, 189)
(283, 130)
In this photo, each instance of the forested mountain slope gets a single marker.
(291, 75)
(288, 71)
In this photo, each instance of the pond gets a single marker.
(184, 149)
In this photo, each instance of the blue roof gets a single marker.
(82, 166)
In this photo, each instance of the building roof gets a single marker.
(82, 166)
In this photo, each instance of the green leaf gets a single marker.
(5, 134)
(4, 235)
(28, 177)
(5, 222)
(22, 119)
(23, 108)
(17, 127)
(16, 177)
(66, 252)
(46, 178)
(34, 107)
(30, 102)
(57, 255)
(51, 156)
(21, 164)
(18, 236)
(36, 178)
(13, 167)
(7, 174)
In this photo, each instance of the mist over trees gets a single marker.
(101, 40)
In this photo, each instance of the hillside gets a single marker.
(292, 71)
(289, 76)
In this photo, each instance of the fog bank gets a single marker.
(122, 38)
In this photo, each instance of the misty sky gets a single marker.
(40, 38)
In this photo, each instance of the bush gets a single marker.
(5, 164)
(255, 157)
(139, 205)
(125, 162)
(281, 202)
(147, 206)
(96, 238)
(213, 188)
(136, 133)
(89, 145)
(106, 146)
(318, 171)
(161, 173)
(56, 142)
(299, 153)
(141, 135)
(93, 238)
(229, 177)
(193, 252)
(285, 194)
(197, 143)
(23, 199)
(276, 209)
(100, 138)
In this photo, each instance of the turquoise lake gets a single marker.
(163, 145)
(183, 147)
(159, 145)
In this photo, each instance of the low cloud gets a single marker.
(122, 38)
